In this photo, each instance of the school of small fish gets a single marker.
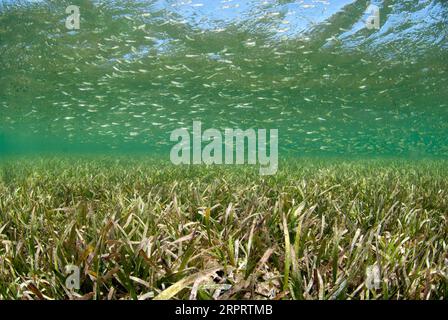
(136, 70)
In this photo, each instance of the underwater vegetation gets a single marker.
(357, 208)
(141, 229)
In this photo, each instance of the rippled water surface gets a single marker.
(136, 70)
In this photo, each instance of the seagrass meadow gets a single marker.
(349, 95)
(144, 229)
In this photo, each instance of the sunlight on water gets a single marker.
(136, 70)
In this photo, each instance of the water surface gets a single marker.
(136, 70)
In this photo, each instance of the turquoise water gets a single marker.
(136, 70)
